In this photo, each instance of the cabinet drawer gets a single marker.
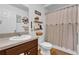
(21, 48)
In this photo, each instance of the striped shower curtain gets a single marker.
(61, 28)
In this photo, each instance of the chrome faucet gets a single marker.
(17, 33)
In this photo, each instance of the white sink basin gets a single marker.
(22, 37)
(25, 37)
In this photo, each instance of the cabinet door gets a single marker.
(2, 52)
(22, 48)
(17, 49)
(33, 51)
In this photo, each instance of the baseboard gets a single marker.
(65, 50)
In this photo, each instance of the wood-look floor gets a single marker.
(54, 51)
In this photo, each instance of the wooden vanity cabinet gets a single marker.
(32, 51)
(2, 52)
(29, 48)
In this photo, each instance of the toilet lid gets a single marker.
(46, 44)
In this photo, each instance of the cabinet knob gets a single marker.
(28, 52)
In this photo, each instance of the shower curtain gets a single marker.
(61, 27)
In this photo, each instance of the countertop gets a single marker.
(6, 43)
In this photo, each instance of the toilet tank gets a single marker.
(41, 39)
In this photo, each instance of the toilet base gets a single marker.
(45, 48)
(45, 52)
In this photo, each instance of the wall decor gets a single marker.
(36, 18)
(18, 18)
(37, 27)
(39, 33)
(25, 20)
(37, 12)
(40, 26)
(31, 24)
(38, 23)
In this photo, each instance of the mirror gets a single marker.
(13, 18)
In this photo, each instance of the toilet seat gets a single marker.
(46, 44)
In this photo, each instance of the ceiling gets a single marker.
(51, 7)
(48, 7)
(20, 6)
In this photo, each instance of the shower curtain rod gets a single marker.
(62, 8)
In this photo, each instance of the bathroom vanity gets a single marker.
(27, 47)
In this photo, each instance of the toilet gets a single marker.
(45, 48)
